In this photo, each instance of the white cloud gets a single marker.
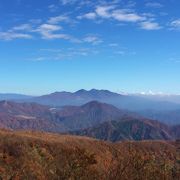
(65, 2)
(50, 31)
(147, 25)
(111, 12)
(64, 54)
(90, 15)
(49, 27)
(104, 11)
(17, 32)
(53, 8)
(46, 30)
(57, 19)
(154, 5)
(122, 15)
(175, 24)
(92, 39)
(13, 35)
(47, 35)
(22, 27)
(146, 21)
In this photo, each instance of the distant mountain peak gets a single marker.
(59, 92)
(99, 105)
(81, 91)
(94, 103)
(93, 89)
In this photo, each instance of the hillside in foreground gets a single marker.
(35, 155)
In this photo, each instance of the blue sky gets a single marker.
(120, 45)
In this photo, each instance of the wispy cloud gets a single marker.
(111, 12)
(154, 5)
(90, 15)
(13, 35)
(58, 19)
(54, 27)
(64, 54)
(21, 31)
(93, 39)
(65, 2)
(48, 31)
(175, 24)
(22, 27)
(123, 15)
(104, 11)
(148, 25)
(53, 8)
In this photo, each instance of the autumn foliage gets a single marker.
(32, 155)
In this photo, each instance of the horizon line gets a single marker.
(142, 93)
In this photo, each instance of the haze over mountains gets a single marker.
(123, 101)
(78, 117)
(164, 108)
(11, 96)
(40, 117)
(94, 119)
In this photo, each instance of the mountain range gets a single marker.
(164, 108)
(40, 117)
(131, 129)
(132, 102)
(94, 119)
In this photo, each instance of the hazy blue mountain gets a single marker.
(130, 102)
(94, 119)
(77, 98)
(4, 96)
(169, 117)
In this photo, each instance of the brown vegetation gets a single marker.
(33, 155)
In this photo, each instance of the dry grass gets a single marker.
(36, 155)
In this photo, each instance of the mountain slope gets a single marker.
(176, 131)
(94, 119)
(90, 114)
(128, 129)
(27, 116)
(34, 116)
(33, 155)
